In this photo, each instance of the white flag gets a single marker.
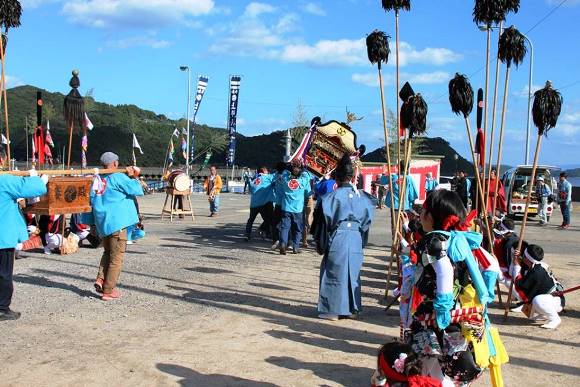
(176, 132)
(88, 124)
(136, 143)
(4, 140)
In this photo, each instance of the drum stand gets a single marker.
(170, 195)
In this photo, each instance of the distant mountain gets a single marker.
(573, 172)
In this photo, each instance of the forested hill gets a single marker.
(113, 128)
(114, 125)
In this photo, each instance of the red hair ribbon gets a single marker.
(413, 381)
(451, 222)
(391, 374)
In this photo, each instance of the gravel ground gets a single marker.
(201, 307)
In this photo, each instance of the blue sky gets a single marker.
(288, 52)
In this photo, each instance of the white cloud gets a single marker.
(134, 13)
(270, 38)
(350, 52)
(251, 36)
(255, 9)
(371, 79)
(326, 52)
(13, 81)
(429, 55)
(314, 9)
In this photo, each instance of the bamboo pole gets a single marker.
(70, 135)
(485, 109)
(398, 112)
(477, 178)
(3, 59)
(500, 145)
(401, 208)
(387, 149)
(66, 172)
(525, 219)
(496, 85)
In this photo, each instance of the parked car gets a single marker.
(516, 182)
(445, 182)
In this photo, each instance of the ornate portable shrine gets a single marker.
(325, 144)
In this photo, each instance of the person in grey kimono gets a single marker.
(341, 224)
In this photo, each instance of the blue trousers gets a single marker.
(214, 206)
(565, 208)
(291, 223)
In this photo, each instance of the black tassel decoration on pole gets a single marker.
(545, 112)
(74, 105)
(487, 13)
(511, 49)
(413, 118)
(378, 52)
(397, 5)
(461, 100)
(10, 13)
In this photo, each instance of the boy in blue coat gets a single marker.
(113, 211)
(261, 202)
(295, 187)
(13, 188)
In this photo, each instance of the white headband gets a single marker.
(503, 229)
(533, 260)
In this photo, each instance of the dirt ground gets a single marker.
(201, 307)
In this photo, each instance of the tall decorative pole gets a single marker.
(509, 6)
(397, 5)
(545, 112)
(74, 113)
(488, 13)
(10, 12)
(511, 49)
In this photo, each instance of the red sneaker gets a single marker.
(99, 285)
(111, 296)
(565, 227)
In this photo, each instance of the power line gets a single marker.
(528, 31)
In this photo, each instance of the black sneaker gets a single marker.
(9, 315)
(282, 250)
(295, 250)
(247, 238)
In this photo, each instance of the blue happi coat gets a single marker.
(411, 193)
(342, 218)
(11, 189)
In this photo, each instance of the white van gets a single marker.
(516, 183)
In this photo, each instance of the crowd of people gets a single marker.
(449, 262)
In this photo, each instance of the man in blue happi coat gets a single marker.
(341, 226)
(411, 193)
(261, 202)
(14, 230)
(295, 187)
(113, 212)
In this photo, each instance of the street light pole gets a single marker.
(526, 159)
(186, 68)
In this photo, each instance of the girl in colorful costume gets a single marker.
(449, 328)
